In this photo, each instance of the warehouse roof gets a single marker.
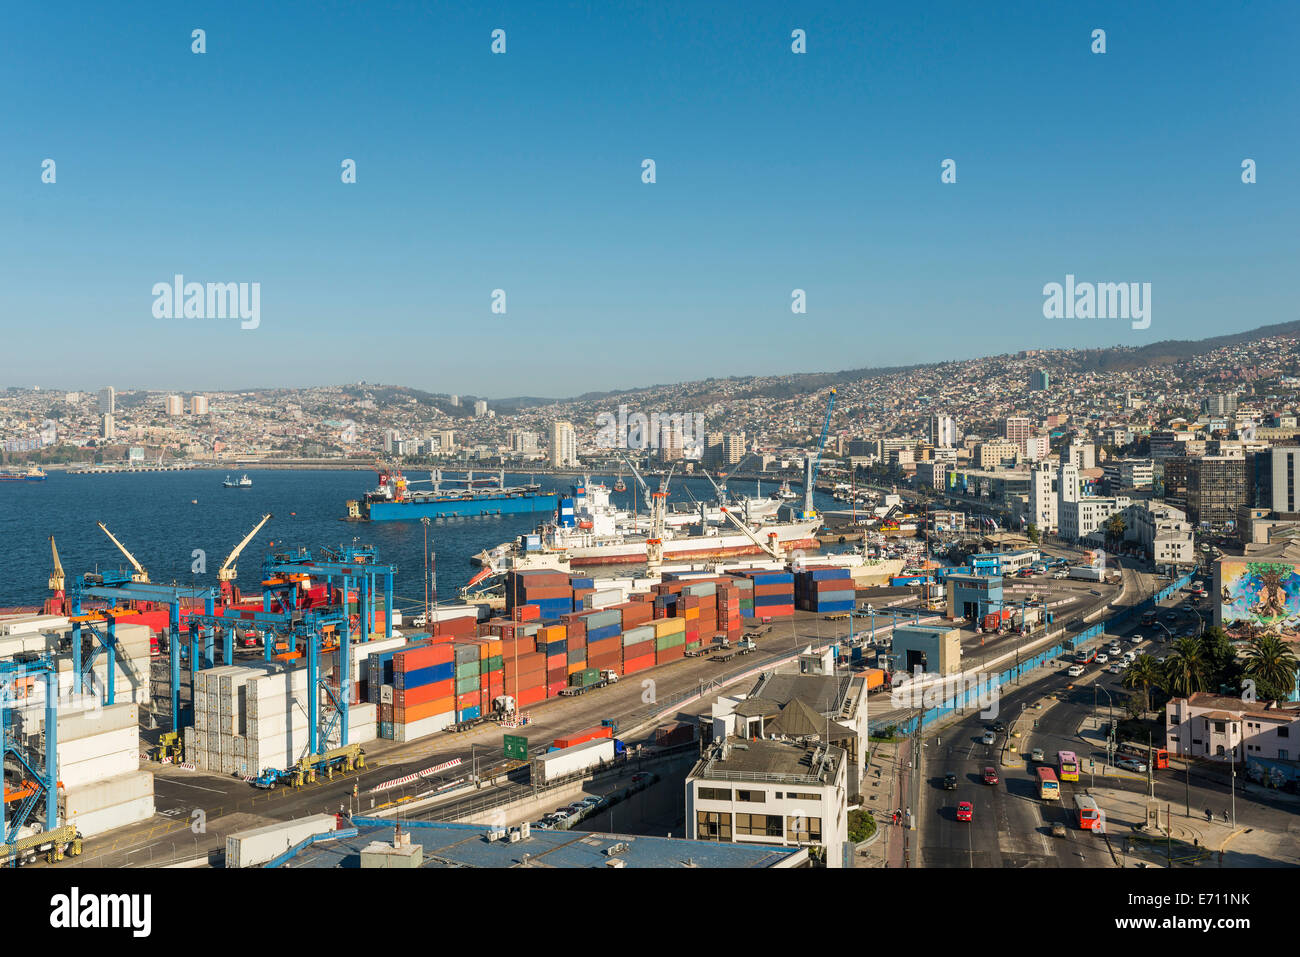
(466, 845)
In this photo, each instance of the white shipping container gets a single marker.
(581, 757)
(263, 844)
(385, 694)
(201, 720)
(30, 624)
(424, 727)
(110, 742)
(107, 793)
(99, 768)
(109, 718)
(119, 815)
(227, 763)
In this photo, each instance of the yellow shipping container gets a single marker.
(669, 626)
(577, 666)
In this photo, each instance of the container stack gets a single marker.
(523, 666)
(583, 589)
(605, 653)
(773, 593)
(729, 617)
(824, 590)
(99, 769)
(670, 640)
(469, 678)
(638, 649)
(549, 591)
(423, 691)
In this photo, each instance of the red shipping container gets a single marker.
(554, 688)
(530, 696)
(581, 737)
(639, 650)
(526, 613)
(539, 593)
(634, 665)
(675, 653)
(386, 713)
(412, 696)
(456, 628)
(468, 700)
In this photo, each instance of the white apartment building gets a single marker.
(175, 405)
(1082, 454)
(564, 445)
(1162, 531)
(108, 400)
(943, 431)
(1036, 447)
(1084, 516)
(1043, 497)
(480, 407)
(1129, 473)
(199, 405)
(1213, 726)
(776, 792)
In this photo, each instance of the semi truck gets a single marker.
(574, 760)
(580, 682)
(263, 844)
(742, 647)
(1087, 573)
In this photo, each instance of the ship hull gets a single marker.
(635, 553)
(475, 508)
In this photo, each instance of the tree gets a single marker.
(1272, 666)
(1143, 673)
(1116, 528)
(1032, 533)
(1185, 669)
(1222, 666)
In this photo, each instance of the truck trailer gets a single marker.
(574, 760)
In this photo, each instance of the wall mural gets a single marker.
(1264, 594)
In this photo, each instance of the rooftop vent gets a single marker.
(616, 862)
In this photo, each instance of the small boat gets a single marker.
(244, 482)
(619, 485)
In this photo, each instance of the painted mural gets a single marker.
(1264, 594)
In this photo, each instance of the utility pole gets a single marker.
(425, 522)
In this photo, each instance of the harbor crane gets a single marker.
(657, 502)
(769, 548)
(226, 573)
(140, 577)
(811, 484)
(58, 604)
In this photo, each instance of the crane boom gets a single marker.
(768, 548)
(808, 510)
(56, 576)
(141, 576)
(227, 570)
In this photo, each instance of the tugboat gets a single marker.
(244, 482)
(619, 485)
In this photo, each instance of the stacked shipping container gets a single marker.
(824, 590)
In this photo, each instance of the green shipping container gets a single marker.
(587, 676)
(670, 641)
(467, 669)
(495, 663)
(692, 645)
(466, 685)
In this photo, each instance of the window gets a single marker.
(1218, 727)
(751, 797)
(804, 829)
(714, 794)
(803, 796)
(1283, 754)
(759, 825)
(1284, 732)
(713, 825)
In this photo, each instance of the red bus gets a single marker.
(1049, 789)
(1067, 766)
(1089, 813)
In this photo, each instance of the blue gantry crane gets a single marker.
(38, 780)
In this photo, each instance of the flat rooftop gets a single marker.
(761, 759)
(466, 845)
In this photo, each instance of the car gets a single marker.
(1130, 656)
(950, 781)
(555, 817)
(577, 807)
(1102, 658)
(1116, 668)
(990, 775)
(1058, 830)
(964, 810)
(1060, 575)
(1037, 755)
(591, 801)
(1136, 638)
(989, 737)
(1160, 660)
(1131, 764)
(640, 776)
(540, 826)
(999, 727)
(1075, 671)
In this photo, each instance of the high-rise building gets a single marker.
(199, 405)
(108, 400)
(943, 431)
(1069, 487)
(1037, 447)
(1016, 429)
(455, 400)
(1038, 380)
(1216, 487)
(733, 447)
(480, 407)
(391, 438)
(1271, 479)
(522, 442)
(1042, 497)
(564, 445)
(1222, 404)
(175, 405)
(109, 430)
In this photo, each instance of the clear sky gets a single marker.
(522, 172)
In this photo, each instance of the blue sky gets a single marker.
(522, 172)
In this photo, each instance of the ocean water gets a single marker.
(164, 518)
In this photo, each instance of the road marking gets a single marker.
(185, 784)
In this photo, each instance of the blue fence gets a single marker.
(978, 695)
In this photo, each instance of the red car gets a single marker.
(990, 776)
(964, 810)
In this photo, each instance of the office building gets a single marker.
(1042, 497)
(1271, 479)
(108, 400)
(1016, 429)
(1038, 380)
(1216, 487)
(942, 431)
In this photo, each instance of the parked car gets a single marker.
(989, 737)
(1075, 671)
(964, 810)
(1037, 755)
(950, 781)
(591, 801)
(990, 775)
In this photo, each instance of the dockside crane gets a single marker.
(226, 573)
(58, 604)
(811, 483)
(140, 577)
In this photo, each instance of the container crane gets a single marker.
(226, 573)
(811, 483)
(141, 577)
(58, 604)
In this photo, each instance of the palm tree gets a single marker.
(1116, 528)
(1143, 673)
(1270, 663)
(1185, 668)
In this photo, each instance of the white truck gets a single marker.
(1088, 573)
(565, 761)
